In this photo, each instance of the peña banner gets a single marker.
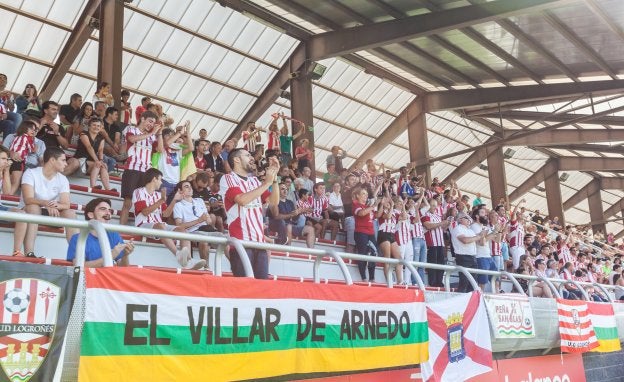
(147, 325)
(510, 316)
(34, 312)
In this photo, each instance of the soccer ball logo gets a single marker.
(16, 301)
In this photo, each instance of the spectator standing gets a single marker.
(19, 232)
(251, 137)
(103, 94)
(419, 245)
(286, 140)
(141, 108)
(485, 260)
(464, 241)
(243, 195)
(365, 212)
(214, 160)
(45, 191)
(140, 140)
(515, 236)
(199, 156)
(303, 153)
(434, 237)
(170, 154)
(99, 209)
(126, 108)
(112, 132)
(336, 157)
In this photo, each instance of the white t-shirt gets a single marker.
(336, 202)
(45, 189)
(461, 248)
(482, 250)
(169, 165)
(184, 210)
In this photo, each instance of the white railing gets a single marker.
(221, 241)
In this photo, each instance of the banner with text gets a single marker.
(147, 325)
(34, 311)
(510, 316)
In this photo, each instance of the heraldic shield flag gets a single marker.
(459, 339)
(35, 303)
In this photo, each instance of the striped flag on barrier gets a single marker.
(605, 327)
(575, 327)
(147, 325)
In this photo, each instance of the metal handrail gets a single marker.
(240, 246)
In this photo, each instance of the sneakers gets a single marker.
(196, 264)
(183, 256)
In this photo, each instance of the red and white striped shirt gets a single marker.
(495, 246)
(319, 205)
(142, 199)
(244, 222)
(388, 221)
(418, 231)
(565, 256)
(250, 140)
(23, 145)
(433, 237)
(274, 142)
(305, 203)
(516, 234)
(139, 152)
(403, 234)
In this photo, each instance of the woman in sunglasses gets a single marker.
(192, 215)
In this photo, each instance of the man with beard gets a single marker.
(99, 209)
(243, 195)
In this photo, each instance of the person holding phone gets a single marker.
(99, 209)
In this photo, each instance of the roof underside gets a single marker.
(208, 63)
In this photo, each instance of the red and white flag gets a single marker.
(575, 326)
(459, 339)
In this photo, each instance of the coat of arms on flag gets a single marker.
(29, 310)
(575, 327)
(459, 339)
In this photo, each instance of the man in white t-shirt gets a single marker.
(464, 242)
(191, 215)
(149, 209)
(45, 191)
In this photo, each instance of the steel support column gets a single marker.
(496, 174)
(553, 196)
(595, 210)
(301, 107)
(111, 46)
(419, 145)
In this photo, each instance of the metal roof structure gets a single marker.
(488, 74)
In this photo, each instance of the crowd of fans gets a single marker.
(177, 183)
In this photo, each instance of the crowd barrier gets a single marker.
(220, 242)
(545, 310)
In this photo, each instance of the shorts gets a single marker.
(515, 253)
(498, 261)
(487, 264)
(17, 166)
(151, 226)
(130, 181)
(385, 236)
(4, 208)
(349, 227)
(297, 230)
